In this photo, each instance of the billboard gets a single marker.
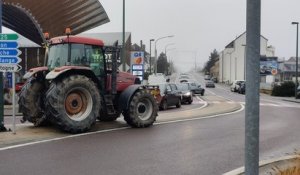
(137, 64)
(269, 67)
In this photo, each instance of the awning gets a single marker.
(32, 18)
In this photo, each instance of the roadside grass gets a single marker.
(290, 167)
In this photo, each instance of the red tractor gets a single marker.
(79, 84)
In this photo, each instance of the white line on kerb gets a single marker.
(116, 129)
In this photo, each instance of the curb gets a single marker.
(295, 101)
(241, 170)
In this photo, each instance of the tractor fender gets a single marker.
(62, 70)
(127, 94)
(35, 72)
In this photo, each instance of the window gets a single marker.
(173, 86)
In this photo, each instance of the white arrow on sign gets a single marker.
(10, 67)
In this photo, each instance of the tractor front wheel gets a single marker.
(142, 110)
(73, 103)
(31, 102)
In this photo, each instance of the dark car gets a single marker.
(242, 88)
(170, 96)
(298, 92)
(186, 93)
(195, 88)
(209, 84)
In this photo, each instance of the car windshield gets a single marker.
(183, 87)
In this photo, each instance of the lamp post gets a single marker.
(123, 42)
(150, 54)
(167, 47)
(296, 85)
(170, 36)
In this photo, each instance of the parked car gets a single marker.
(235, 85)
(214, 79)
(298, 92)
(186, 93)
(170, 96)
(196, 88)
(206, 77)
(209, 84)
(242, 88)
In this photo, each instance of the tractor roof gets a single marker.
(76, 39)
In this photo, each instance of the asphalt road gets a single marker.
(208, 146)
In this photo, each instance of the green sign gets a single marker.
(11, 36)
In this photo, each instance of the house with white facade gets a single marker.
(232, 58)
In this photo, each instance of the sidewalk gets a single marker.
(289, 99)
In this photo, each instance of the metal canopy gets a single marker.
(32, 18)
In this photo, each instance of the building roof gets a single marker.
(231, 44)
(108, 38)
(32, 18)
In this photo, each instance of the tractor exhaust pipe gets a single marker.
(115, 56)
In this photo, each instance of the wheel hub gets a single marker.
(75, 103)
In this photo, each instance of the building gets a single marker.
(287, 69)
(232, 58)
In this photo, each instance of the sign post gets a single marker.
(9, 60)
(2, 128)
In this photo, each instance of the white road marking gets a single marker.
(115, 129)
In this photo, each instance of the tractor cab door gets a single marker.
(96, 61)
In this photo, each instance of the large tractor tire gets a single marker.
(73, 103)
(31, 102)
(142, 110)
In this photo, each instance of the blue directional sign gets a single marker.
(8, 44)
(13, 60)
(9, 52)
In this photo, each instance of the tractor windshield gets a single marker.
(80, 55)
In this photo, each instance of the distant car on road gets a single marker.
(171, 96)
(196, 88)
(235, 85)
(186, 93)
(209, 83)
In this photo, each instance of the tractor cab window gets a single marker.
(58, 56)
(78, 57)
(95, 58)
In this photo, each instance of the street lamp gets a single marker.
(167, 47)
(296, 85)
(123, 40)
(150, 54)
(170, 36)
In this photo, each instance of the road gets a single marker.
(200, 146)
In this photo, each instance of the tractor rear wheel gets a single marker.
(31, 102)
(73, 103)
(142, 110)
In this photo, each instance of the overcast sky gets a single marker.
(201, 26)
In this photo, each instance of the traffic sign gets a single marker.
(10, 67)
(10, 52)
(11, 36)
(7, 60)
(8, 44)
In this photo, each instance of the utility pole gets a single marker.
(252, 84)
(296, 84)
(123, 43)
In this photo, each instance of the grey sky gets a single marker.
(201, 25)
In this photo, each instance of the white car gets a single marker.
(235, 85)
